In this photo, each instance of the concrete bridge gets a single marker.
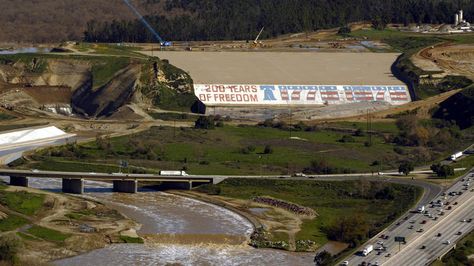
(73, 182)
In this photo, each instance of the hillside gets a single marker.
(458, 108)
(113, 21)
(92, 86)
(54, 21)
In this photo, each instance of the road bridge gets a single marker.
(73, 182)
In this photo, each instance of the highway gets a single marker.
(423, 245)
(101, 176)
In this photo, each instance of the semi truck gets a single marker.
(173, 173)
(367, 250)
(456, 156)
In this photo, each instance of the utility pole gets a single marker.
(290, 122)
(369, 128)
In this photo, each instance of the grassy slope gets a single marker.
(22, 202)
(218, 150)
(47, 234)
(331, 200)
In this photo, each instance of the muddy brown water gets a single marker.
(179, 231)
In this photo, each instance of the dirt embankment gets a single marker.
(109, 98)
(89, 225)
(448, 59)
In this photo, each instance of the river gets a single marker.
(164, 213)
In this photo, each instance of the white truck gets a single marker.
(367, 250)
(456, 156)
(173, 173)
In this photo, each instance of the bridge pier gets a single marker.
(21, 181)
(127, 186)
(73, 186)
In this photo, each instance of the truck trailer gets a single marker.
(173, 173)
(456, 156)
(367, 250)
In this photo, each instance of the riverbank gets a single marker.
(46, 226)
(281, 225)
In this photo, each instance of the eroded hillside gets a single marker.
(90, 86)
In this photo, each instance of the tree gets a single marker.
(442, 170)
(406, 167)
(204, 122)
(268, 149)
(323, 258)
(9, 246)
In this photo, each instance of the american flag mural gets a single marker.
(244, 94)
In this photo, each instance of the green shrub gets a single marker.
(9, 246)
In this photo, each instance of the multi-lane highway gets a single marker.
(429, 234)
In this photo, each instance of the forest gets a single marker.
(231, 20)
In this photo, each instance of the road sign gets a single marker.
(400, 239)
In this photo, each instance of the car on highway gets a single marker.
(423, 222)
(455, 203)
(449, 208)
(420, 230)
(447, 242)
(35, 170)
(469, 220)
(423, 247)
(459, 233)
(345, 263)
(410, 227)
(299, 175)
(438, 235)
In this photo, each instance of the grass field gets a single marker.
(332, 200)
(47, 234)
(12, 222)
(22, 202)
(232, 150)
(235, 150)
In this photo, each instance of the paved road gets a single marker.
(448, 224)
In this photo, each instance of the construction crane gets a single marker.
(258, 36)
(147, 25)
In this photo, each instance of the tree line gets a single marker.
(190, 20)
